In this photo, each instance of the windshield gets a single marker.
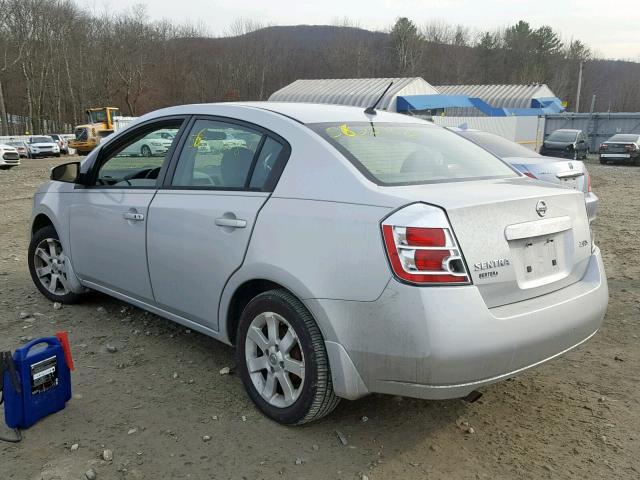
(41, 140)
(560, 136)
(406, 154)
(498, 145)
(98, 116)
(15, 144)
(624, 137)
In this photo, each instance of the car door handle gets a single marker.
(136, 217)
(231, 222)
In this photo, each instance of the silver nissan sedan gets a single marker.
(342, 251)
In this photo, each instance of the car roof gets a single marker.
(567, 130)
(301, 112)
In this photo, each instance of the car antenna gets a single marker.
(372, 110)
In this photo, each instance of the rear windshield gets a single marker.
(408, 154)
(498, 145)
(624, 137)
(560, 136)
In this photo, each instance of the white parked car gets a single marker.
(154, 144)
(9, 156)
(43, 146)
(342, 252)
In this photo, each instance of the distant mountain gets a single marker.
(312, 36)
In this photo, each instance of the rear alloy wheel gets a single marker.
(282, 359)
(145, 151)
(47, 265)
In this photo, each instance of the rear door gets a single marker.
(201, 221)
(108, 218)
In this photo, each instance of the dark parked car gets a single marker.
(565, 143)
(622, 147)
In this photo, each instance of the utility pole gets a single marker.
(579, 88)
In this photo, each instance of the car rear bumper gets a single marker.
(619, 157)
(443, 342)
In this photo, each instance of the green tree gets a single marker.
(407, 44)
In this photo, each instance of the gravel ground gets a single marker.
(153, 400)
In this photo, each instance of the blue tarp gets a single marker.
(539, 106)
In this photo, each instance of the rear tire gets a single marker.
(46, 266)
(277, 336)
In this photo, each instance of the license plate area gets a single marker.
(569, 183)
(540, 260)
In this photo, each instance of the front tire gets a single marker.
(145, 151)
(47, 266)
(282, 359)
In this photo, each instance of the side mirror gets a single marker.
(67, 172)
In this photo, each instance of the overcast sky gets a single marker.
(611, 28)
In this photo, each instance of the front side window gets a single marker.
(138, 162)
(407, 153)
(217, 154)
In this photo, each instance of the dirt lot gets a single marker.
(576, 417)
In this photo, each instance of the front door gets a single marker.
(108, 218)
(200, 222)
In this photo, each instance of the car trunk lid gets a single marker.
(520, 238)
(617, 147)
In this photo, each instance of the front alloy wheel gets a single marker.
(282, 359)
(48, 266)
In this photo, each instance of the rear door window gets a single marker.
(406, 153)
(224, 155)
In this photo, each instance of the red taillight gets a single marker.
(588, 181)
(424, 255)
(530, 175)
(429, 260)
(425, 237)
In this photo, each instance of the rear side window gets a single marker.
(406, 154)
(217, 154)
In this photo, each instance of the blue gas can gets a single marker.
(45, 381)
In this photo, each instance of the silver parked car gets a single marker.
(567, 173)
(341, 252)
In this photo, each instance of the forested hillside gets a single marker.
(56, 60)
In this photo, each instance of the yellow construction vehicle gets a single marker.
(100, 124)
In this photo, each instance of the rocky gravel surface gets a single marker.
(153, 400)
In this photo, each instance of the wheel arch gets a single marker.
(40, 221)
(241, 288)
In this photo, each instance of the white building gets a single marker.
(360, 92)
